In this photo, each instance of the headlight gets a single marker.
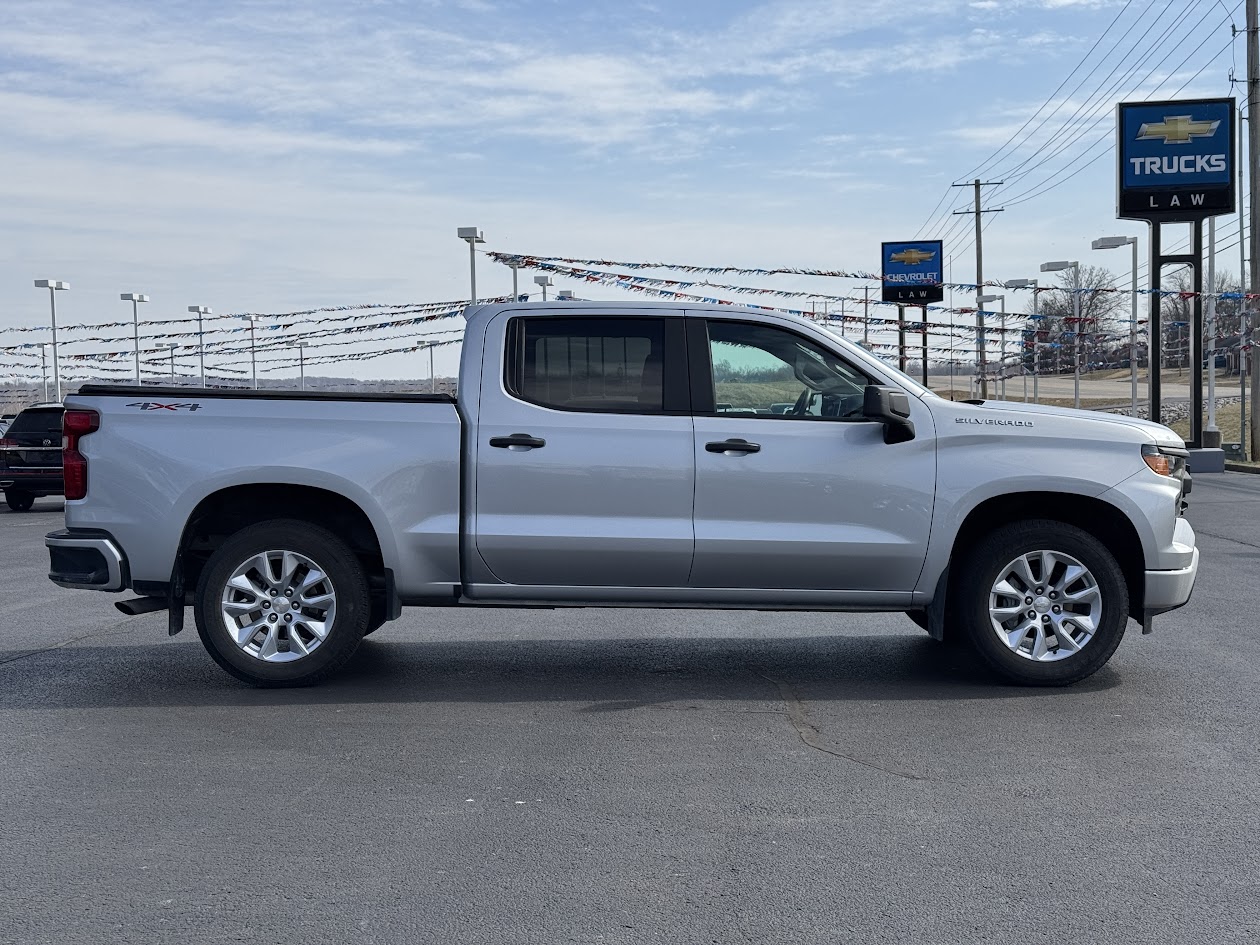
(1165, 460)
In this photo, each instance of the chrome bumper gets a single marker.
(86, 561)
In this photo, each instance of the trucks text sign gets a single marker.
(1176, 159)
(912, 272)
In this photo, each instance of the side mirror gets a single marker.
(890, 407)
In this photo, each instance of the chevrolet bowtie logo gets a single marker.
(1177, 129)
(912, 257)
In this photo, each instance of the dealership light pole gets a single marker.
(543, 281)
(472, 236)
(253, 363)
(301, 345)
(43, 367)
(135, 298)
(172, 346)
(1075, 266)
(982, 299)
(53, 287)
(1026, 284)
(515, 266)
(1115, 242)
(201, 312)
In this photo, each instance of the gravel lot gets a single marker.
(630, 776)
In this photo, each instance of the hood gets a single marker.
(1161, 434)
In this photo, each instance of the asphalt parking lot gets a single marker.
(630, 776)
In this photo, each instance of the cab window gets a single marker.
(610, 365)
(762, 371)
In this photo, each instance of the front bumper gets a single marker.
(1168, 590)
(87, 559)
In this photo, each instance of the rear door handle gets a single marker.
(733, 446)
(518, 441)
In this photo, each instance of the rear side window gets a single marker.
(38, 421)
(611, 365)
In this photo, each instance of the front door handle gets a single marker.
(518, 441)
(733, 446)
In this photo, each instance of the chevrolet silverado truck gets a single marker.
(626, 455)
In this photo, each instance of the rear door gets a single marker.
(794, 489)
(585, 467)
(33, 442)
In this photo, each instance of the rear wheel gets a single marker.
(19, 500)
(282, 603)
(1043, 602)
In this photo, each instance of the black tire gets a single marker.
(19, 500)
(980, 569)
(332, 556)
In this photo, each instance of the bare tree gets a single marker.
(1178, 315)
(1054, 330)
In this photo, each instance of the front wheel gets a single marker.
(282, 603)
(1043, 602)
(19, 500)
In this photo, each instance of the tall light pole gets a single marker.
(53, 287)
(473, 236)
(1075, 266)
(982, 299)
(1026, 284)
(432, 376)
(301, 345)
(43, 367)
(135, 298)
(515, 266)
(253, 364)
(200, 311)
(543, 281)
(1115, 242)
(172, 346)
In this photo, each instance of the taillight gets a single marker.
(74, 425)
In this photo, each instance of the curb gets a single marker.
(1242, 468)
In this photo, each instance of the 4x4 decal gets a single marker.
(152, 405)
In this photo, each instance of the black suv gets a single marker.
(30, 456)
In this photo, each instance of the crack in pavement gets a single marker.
(119, 625)
(1237, 541)
(810, 734)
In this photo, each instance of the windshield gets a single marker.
(902, 377)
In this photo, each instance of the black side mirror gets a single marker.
(891, 407)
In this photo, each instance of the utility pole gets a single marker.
(1253, 177)
(981, 365)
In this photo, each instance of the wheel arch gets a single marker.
(226, 511)
(1105, 521)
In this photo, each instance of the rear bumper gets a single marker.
(86, 559)
(41, 483)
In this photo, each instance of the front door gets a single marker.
(585, 470)
(794, 489)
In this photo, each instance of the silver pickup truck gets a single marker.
(626, 455)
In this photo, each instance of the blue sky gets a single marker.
(268, 156)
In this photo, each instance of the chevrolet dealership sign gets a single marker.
(912, 272)
(1176, 159)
